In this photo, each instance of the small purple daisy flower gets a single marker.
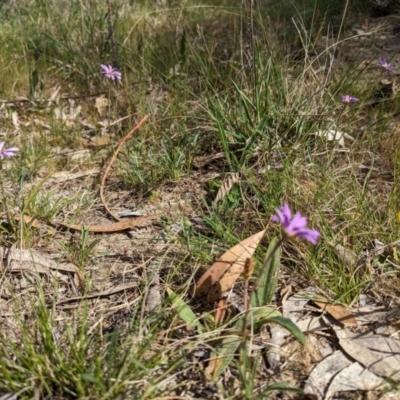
(7, 152)
(296, 226)
(347, 99)
(110, 72)
(385, 65)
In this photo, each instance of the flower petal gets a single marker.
(296, 226)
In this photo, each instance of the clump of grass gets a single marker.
(75, 358)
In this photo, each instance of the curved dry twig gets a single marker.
(110, 163)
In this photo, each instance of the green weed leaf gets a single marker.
(269, 277)
(183, 310)
(282, 386)
(290, 326)
(223, 354)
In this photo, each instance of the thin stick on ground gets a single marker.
(110, 163)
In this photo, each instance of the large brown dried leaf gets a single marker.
(340, 313)
(224, 272)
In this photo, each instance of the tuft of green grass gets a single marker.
(78, 358)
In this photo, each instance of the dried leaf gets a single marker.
(351, 378)
(99, 141)
(224, 272)
(32, 260)
(340, 313)
(63, 176)
(226, 187)
(381, 355)
(320, 377)
(79, 155)
(15, 121)
(153, 297)
(101, 103)
(331, 135)
(368, 315)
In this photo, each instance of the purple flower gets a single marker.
(296, 226)
(347, 99)
(7, 152)
(385, 65)
(110, 72)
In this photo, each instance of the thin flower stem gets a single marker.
(111, 36)
(246, 295)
